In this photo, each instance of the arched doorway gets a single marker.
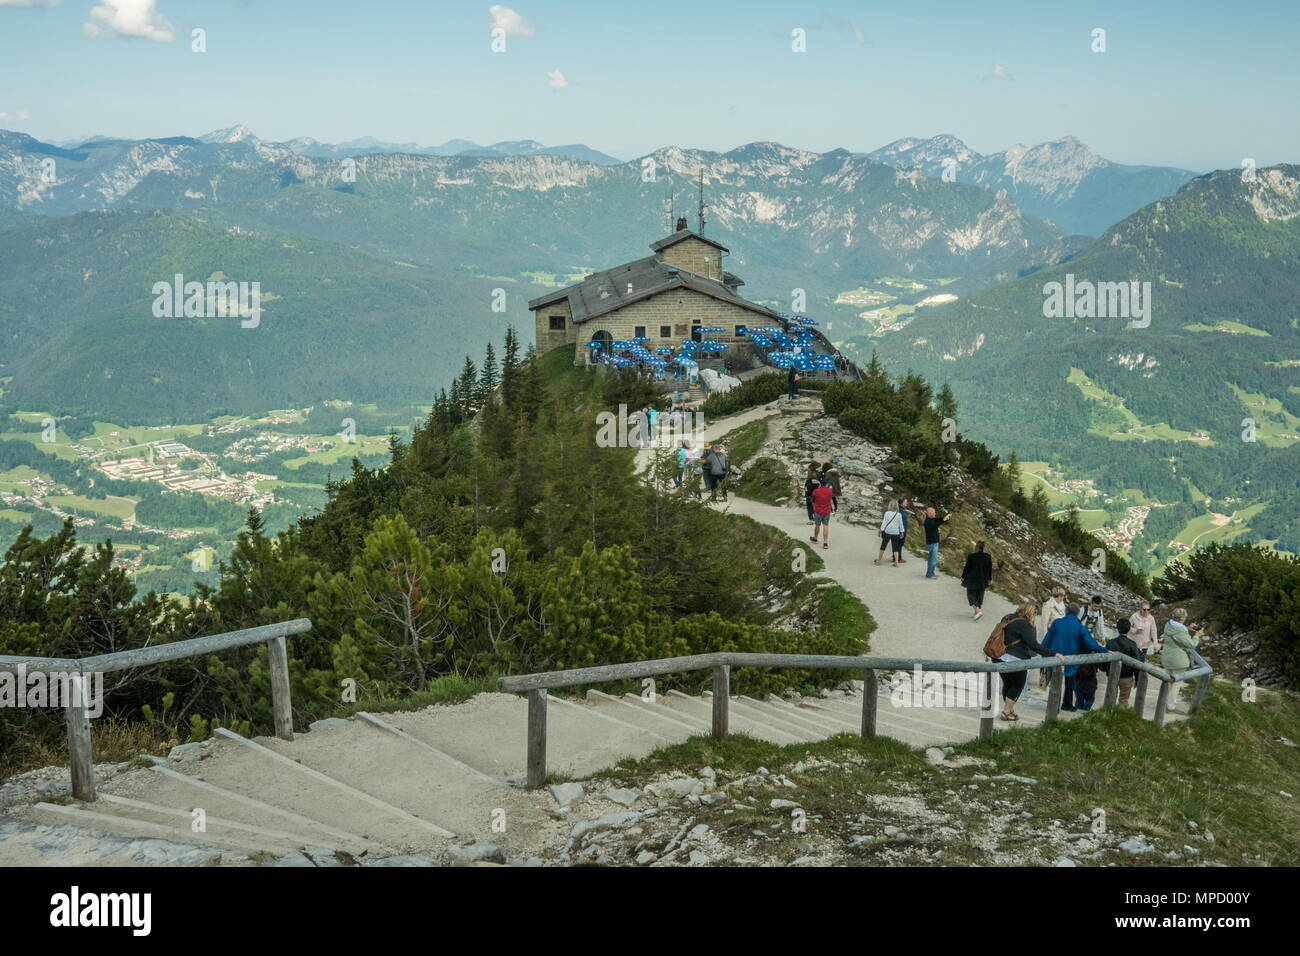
(605, 339)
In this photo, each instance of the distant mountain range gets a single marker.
(1062, 180)
(455, 227)
(1164, 400)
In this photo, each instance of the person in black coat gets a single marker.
(976, 576)
(1124, 644)
(1021, 638)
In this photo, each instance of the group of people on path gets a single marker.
(821, 493)
(712, 465)
(1062, 630)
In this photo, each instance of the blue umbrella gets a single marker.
(686, 361)
(594, 345)
(664, 351)
(714, 328)
(761, 340)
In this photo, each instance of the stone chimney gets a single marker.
(681, 223)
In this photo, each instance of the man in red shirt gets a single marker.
(823, 501)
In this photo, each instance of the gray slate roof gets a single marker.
(681, 234)
(606, 291)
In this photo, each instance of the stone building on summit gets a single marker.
(665, 297)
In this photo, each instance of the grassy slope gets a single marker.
(1223, 769)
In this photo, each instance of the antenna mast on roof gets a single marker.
(701, 214)
(672, 211)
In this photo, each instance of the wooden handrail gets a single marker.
(78, 720)
(721, 663)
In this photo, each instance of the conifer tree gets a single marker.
(947, 403)
(488, 379)
(510, 369)
(468, 383)
(875, 368)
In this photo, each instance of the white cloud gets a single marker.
(18, 116)
(129, 18)
(503, 18)
(999, 72)
(556, 79)
(29, 3)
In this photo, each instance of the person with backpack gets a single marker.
(976, 576)
(1093, 619)
(891, 530)
(1123, 644)
(718, 466)
(683, 458)
(1014, 639)
(823, 498)
(809, 485)
(904, 506)
(1068, 636)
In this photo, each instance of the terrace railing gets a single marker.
(537, 685)
(75, 673)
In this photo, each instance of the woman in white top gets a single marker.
(1053, 608)
(891, 533)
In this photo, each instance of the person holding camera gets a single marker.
(1179, 640)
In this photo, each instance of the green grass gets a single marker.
(765, 480)
(21, 475)
(119, 508)
(845, 619)
(1110, 419)
(448, 689)
(1222, 768)
(1225, 325)
(1274, 425)
(743, 442)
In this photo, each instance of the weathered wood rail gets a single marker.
(75, 708)
(537, 685)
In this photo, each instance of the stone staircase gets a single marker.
(417, 786)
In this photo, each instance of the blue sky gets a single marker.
(1189, 84)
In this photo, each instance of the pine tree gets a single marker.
(947, 403)
(468, 386)
(875, 368)
(532, 390)
(488, 379)
(510, 369)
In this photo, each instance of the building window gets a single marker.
(740, 330)
(665, 331)
(638, 331)
(557, 323)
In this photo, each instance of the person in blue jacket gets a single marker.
(1067, 636)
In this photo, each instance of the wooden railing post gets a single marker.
(1112, 684)
(277, 655)
(1055, 692)
(721, 697)
(1202, 685)
(536, 738)
(80, 758)
(870, 697)
(1162, 702)
(986, 705)
(1140, 692)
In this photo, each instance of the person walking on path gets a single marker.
(1122, 643)
(809, 484)
(1053, 608)
(791, 377)
(683, 457)
(1144, 631)
(904, 506)
(1068, 636)
(976, 576)
(1179, 640)
(1093, 619)
(721, 465)
(891, 530)
(822, 499)
(1022, 644)
(932, 525)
